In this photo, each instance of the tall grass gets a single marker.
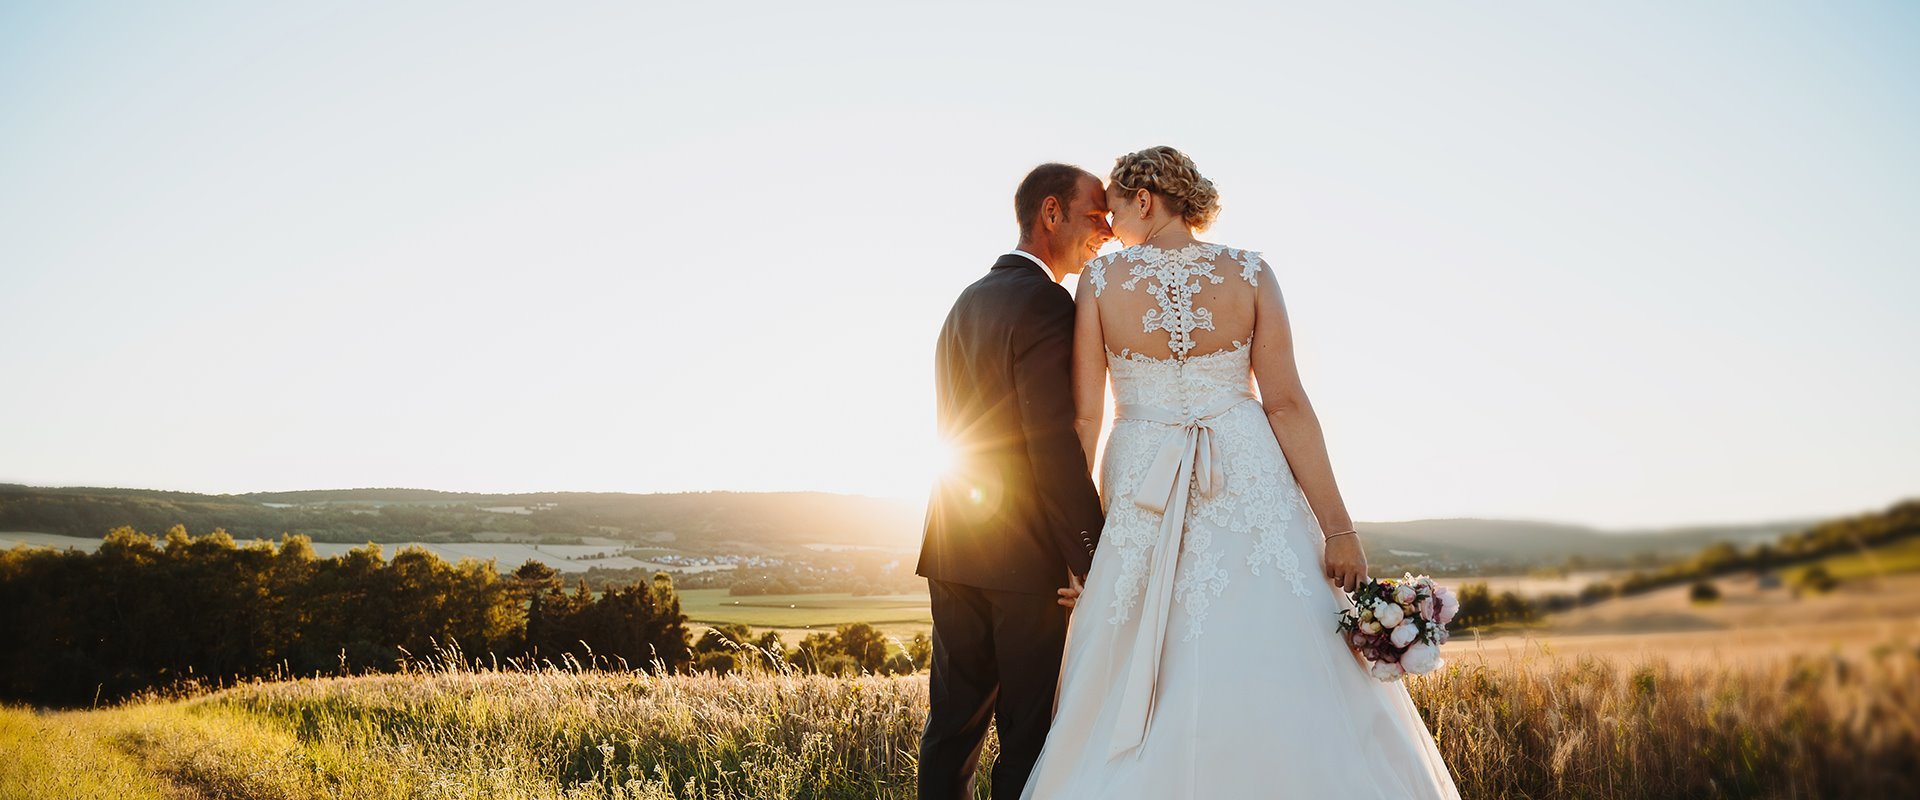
(1804, 728)
(67, 755)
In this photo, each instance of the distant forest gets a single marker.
(142, 613)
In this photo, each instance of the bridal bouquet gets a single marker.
(1399, 625)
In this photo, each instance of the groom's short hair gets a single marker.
(1058, 181)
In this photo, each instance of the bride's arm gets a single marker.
(1089, 370)
(1298, 430)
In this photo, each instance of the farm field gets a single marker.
(1750, 624)
(1899, 558)
(507, 556)
(806, 611)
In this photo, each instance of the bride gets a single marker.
(1202, 661)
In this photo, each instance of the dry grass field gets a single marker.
(1762, 693)
(1538, 727)
(1758, 695)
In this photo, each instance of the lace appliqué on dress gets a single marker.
(1176, 276)
(1095, 273)
(1249, 265)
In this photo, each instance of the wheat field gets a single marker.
(1802, 727)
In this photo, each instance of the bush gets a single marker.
(898, 664)
(1817, 579)
(716, 663)
(920, 649)
(1704, 592)
(838, 665)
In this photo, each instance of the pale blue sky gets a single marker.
(1619, 264)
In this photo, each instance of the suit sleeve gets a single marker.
(1042, 377)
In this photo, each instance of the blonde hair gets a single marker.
(1171, 174)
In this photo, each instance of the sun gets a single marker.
(907, 468)
(938, 459)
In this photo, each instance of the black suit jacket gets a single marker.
(1019, 509)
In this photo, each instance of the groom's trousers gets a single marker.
(996, 655)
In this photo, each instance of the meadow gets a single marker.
(1807, 726)
(798, 611)
(1893, 559)
(1766, 691)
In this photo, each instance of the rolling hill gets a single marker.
(740, 522)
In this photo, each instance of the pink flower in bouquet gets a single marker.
(1427, 609)
(1404, 635)
(1404, 593)
(1363, 642)
(1388, 614)
(1421, 659)
(1386, 671)
(1449, 605)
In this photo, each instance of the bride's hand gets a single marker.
(1070, 596)
(1345, 563)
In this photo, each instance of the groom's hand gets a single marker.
(1070, 595)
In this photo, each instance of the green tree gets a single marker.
(1816, 579)
(724, 638)
(860, 642)
(1476, 607)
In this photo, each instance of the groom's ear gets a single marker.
(1050, 212)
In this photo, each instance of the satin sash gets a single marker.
(1188, 460)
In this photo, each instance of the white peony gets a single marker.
(1421, 658)
(1404, 593)
(1388, 613)
(1386, 671)
(1404, 635)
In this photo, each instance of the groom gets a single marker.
(1018, 513)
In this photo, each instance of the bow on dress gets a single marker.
(1188, 459)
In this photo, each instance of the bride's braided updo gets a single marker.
(1171, 174)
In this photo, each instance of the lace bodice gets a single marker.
(1199, 298)
(1180, 385)
(1194, 305)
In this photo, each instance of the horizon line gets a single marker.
(1786, 520)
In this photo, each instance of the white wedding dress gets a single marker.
(1202, 659)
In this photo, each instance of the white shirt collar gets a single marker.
(1036, 260)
